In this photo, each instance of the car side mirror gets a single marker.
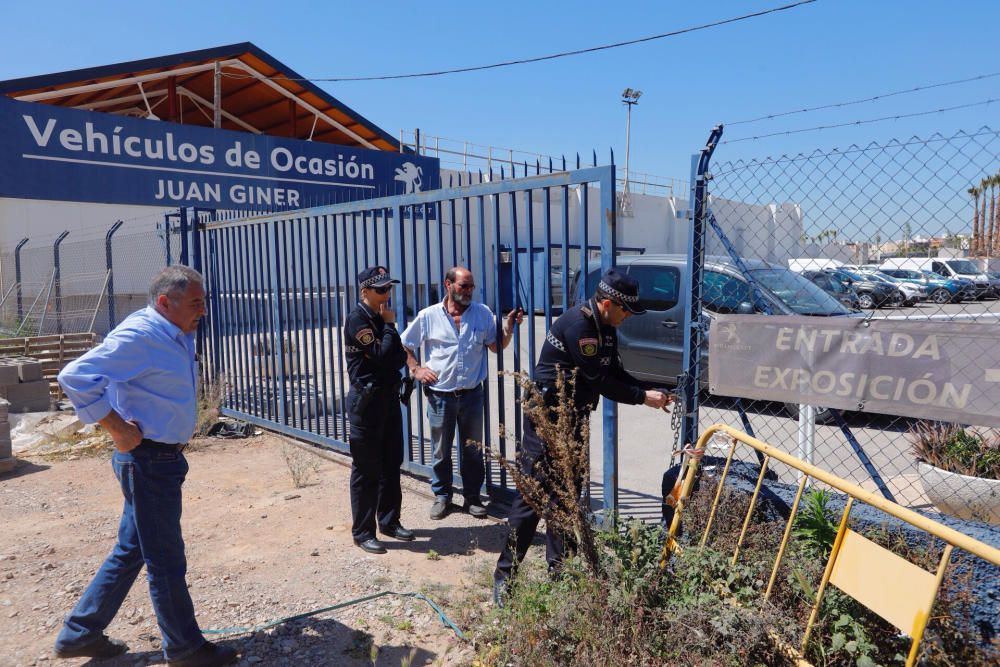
(745, 308)
(849, 282)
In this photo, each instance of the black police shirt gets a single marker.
(373, 349)
(579, 340)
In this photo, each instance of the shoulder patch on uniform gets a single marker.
(586, 311)
(365, 336)
(588, 347)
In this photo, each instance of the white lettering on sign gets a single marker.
(167, 149)
(852, 342)
(920, 391)
(180, 190)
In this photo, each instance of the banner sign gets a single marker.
(50, 152)
(929, 369)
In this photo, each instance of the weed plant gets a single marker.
(616, 606)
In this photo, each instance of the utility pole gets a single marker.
(630, 98)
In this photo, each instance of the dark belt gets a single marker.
(456, 393)
(169, 446)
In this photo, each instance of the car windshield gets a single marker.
(908, 273)
(802, 296)
(878, 275)
(962, 266)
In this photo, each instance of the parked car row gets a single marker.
(901, 281)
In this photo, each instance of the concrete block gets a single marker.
(5, 448)
(4, 431)
(9, 373)
(6, 465)
(29, 396)
(29, 370)
(4, 407)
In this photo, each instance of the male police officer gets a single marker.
(584, 338)
(374, 359)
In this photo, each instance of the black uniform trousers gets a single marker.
(376, 441)
(522, 519)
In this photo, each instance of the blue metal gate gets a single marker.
(280, 287)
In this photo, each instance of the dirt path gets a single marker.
(258, 549)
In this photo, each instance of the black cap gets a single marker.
(623, 289)
(375, 276)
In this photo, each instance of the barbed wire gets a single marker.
(874, 98)
(862, 122)
(726, 168)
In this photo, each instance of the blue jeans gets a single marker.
(445, 412)
(149, 534)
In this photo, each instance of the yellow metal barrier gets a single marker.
(897, 590)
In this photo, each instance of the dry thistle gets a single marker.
(555, 484)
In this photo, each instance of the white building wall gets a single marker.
(658, 225)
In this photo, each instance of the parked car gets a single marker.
(911, 293)
(651, 345)
(871, 293)
(948, 268)
(994, 278)
(835, 285)
(940, 290)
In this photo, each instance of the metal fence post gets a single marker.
(278, 339)
(109, 262)
(694, 328)
(17, 278)
(610, 408)
(182, 213)
(56, 281)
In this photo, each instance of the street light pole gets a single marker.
(630, 98)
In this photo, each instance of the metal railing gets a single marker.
(892, 587)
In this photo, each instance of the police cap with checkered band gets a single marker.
(623, 290)
(375, 276)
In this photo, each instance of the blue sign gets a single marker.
(50, 152)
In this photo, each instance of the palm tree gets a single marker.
(974, 245)
(995, 217)
(988, 183)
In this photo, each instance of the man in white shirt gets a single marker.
(455, 335)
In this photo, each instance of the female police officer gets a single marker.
(374, 359)
(583, 338)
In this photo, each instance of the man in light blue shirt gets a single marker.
(141, 384)
(455, 335)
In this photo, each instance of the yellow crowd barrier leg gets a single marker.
(784, 538)
(918, 633)
(827, 572)
(718, 491)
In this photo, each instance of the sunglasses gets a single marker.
(382, 290)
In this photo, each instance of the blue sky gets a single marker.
(824, 52)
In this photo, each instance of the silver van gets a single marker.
(651, 344)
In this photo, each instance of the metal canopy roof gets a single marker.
(259, 94)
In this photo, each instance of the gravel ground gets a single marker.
(259, 549)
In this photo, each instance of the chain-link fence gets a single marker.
(63, 285)
(898, 231)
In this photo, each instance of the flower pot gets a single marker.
(962, 496)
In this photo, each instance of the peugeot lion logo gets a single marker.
(728, 329)
(411, 175)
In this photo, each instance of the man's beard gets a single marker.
(461, 299)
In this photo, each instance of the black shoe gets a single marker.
(501, 588)
(101, 649)
(399, 533)
(475, 508)
(372, 546)
(209, 655)
(439, 509)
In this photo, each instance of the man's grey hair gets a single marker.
(173, 281)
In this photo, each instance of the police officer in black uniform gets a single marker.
(583, 338)
(375, 356)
